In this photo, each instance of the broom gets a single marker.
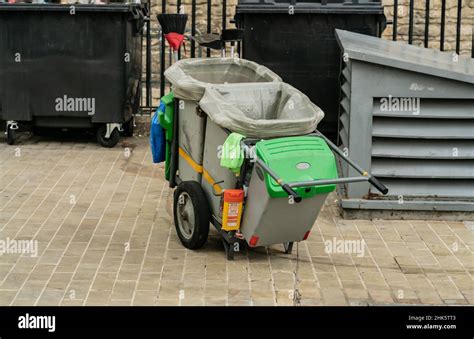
(173, 26)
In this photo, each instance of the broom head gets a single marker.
(173, 23)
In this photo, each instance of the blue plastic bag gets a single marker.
(157, 137)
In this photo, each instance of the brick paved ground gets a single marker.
(102, 219)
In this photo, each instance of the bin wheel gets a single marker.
(107, 142)
(129, 127)
(10, 133)
(191, 214)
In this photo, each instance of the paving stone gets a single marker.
(115, 244)
(7, 297)
(380, 296)
(50, 298)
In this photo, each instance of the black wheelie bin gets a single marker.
(297, 40)
(71, 66)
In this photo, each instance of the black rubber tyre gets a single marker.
(10, 134)
(110, 142)
(128, 127)
(191, 214)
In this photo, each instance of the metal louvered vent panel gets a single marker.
(344, 109)
(430, 188)
(422, 148)
(424, 108)
(345, 88)
(422, 168)
(423, 128)
(427, 151)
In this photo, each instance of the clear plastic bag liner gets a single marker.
(261, 110)
(190, 77)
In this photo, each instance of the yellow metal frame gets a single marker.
(199, 169)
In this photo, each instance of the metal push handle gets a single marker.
(287, 188)
(322, 182)
(378, 185)
(370, 178)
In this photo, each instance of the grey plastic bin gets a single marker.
(259, 111)
(189, 79)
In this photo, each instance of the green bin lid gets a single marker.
(301, 158)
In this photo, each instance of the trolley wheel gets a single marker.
(129, 127)
(107, 142)
(10, 134)
(191, 214)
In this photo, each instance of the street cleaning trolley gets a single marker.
(245, 155)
